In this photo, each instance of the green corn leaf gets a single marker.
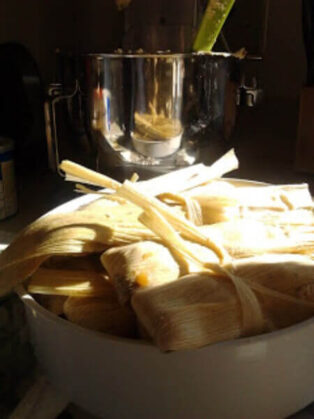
(214, 17)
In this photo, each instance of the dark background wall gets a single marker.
(96, 25)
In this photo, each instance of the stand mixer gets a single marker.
(145, 112)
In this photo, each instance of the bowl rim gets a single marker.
(31, 303)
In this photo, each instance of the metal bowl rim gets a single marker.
(166, 55)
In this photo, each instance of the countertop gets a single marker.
(264, 140)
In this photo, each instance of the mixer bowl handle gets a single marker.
(56, 94)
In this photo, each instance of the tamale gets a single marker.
(77, 233)
(191, 256)
(281, 282)
(244, 238)
(189, 313)
(69, 283)
(101, 314)
(306, 292)
(139, 265)
(286, 273)
(201, 309)
(53, 303)
(89, 262)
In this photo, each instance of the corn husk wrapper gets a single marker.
(181, 224)
(69, 283)
(88, 262)
(286, 273)
(201, 309)
(221, 201)
(53, 303)
(281, 283)
(78, 233)
(101, 314)
(143, 264)
(306, 292)
(189, 313)
(244, 238)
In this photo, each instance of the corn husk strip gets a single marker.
(179, 247)
(296, 196)
(181, 179)
(134, 178)
(101, 314)
(69, 283)
(83, 174)
(84, 190)
(217, 200)
(252, 316)
(170, 182)
(176, 180)
(105, 195)
(194, 211)
(77, 179)
(227, 163)
(129, 192)
(191, 206)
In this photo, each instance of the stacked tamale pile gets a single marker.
(183, 260)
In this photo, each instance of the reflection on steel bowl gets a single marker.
(143, 108)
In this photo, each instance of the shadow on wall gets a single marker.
(284, 66)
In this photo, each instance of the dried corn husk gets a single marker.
(53, 303)
(101, 314)
(69, 283)
(203, 210)
(244, 238)
(143, 264)
(306, 292)
(198, 259)
(278, 281)
(77, 233)
(294, 217)
(201, 309)
(186, 228)
(286, 273)
(221, 201)
(88, 262)
(184, 251)
(195, 311)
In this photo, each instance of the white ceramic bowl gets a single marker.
(269, 376)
